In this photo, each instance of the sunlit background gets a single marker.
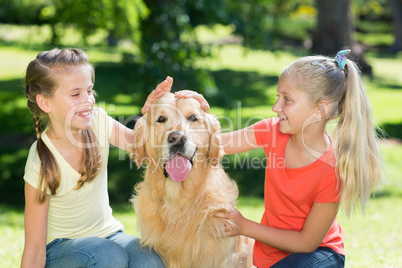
(230, 51)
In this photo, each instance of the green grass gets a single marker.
(12, 231)
(12, 227)
(373, 240)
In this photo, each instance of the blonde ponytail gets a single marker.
(359, 162)
(358, 159)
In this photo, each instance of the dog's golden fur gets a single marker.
(177, 219)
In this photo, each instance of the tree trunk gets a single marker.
(334, 32)
(55, 38)
(396, 6)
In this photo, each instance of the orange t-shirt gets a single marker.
(291, 192)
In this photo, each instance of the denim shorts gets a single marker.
(321, 257)
(117, 250)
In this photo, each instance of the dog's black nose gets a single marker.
(177, 138)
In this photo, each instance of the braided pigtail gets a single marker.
(49, 174)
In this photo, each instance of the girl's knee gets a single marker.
(139, 256)
(106, 253)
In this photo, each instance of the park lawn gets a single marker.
(371, 240)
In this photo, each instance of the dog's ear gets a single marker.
(138, 151)
(215, 150)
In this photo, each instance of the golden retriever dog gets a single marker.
(184, 187)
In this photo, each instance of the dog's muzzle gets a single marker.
(180, 162)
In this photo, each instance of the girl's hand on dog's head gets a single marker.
(192, 94)
(158, 92)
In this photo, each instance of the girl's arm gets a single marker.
(35, 229)
(239, 141)
(122, 137)
(317, 224)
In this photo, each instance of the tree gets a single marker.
(397, 18)
(334, 31)
(21, 11)
(256, 21)
(119, 17)
(169, 47)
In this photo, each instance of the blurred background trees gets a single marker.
(164, 30)
(335, 31)
(119, 18)
(155, 38)
(396, 6)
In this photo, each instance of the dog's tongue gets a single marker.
(178, 168)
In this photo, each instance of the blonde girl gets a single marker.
(314, 175)
(68, 220)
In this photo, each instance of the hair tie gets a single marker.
(340, 58)
(316, 63)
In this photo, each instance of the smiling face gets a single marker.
(70, 108)
(293, 107)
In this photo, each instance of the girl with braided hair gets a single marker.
(68, 219)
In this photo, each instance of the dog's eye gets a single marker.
(161, 119)
(193, 118)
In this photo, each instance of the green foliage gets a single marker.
(12, 163)
(258, 22)
(118, 18)
(21, 11)
(169, 47)
(372, 9)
